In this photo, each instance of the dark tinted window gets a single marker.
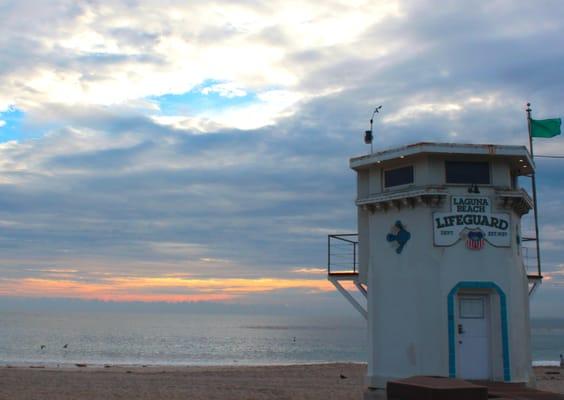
(398, 176)
(467, 172)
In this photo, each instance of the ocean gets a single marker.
(97, 337)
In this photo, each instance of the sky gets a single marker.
(189, 151)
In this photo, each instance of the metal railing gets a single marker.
(342, 254)
(529, 257)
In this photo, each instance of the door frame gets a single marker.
(502, 318)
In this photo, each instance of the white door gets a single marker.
(473, 335)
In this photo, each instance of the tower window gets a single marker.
(398, 176)
(475, 172)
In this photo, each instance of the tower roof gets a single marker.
(518, 155)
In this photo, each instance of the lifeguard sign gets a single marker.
(471, 216)
(439, 259)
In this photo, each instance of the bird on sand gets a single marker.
(66, 346)
(43, 346)
(342, 376)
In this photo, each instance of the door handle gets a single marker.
(460, 329)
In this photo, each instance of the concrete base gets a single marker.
(374, 394)
(377, 382)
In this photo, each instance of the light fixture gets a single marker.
(368, 136)
(473, 189)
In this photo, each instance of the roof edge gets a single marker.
(442, 148)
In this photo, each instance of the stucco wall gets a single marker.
(407, 294)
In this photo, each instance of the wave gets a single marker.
(546, 363)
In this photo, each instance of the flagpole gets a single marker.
(534, 187)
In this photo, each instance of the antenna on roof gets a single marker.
(368, 136)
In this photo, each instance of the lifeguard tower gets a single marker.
(439, 258)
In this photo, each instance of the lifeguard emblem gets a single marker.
(399, 235)
(475, 239)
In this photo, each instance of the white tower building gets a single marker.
(440, 261)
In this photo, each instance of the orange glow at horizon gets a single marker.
(148, 289)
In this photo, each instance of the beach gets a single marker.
(316, 381)
(320, 381)
(550, 379)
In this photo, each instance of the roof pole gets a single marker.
(534, 187)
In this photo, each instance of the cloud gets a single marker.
(314, 271)
(115, 185)
(94, 54)
(171, 289)
(228, 90)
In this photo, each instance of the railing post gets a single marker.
(328, 254)
(354, 258)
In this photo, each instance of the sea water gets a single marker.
(176, 338)
(547, 337)
(98, 338)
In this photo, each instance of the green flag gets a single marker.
(545, 128)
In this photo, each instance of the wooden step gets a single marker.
(442, 388)
(435, 388)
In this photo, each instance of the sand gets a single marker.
(321, 381)
(169, 383)
(550, 379)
